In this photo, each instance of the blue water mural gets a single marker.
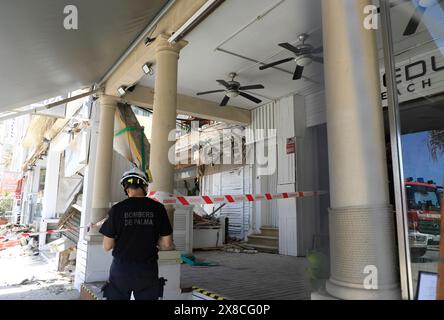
(417, 160)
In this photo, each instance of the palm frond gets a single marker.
(436, 143)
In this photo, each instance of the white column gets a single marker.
(92, 262)
(361, 218)
(164, 115)
(102, 173)
(50, 193)
(162, 170)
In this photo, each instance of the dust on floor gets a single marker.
(28, 277)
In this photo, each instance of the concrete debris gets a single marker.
(27, 281)
(205, 221)
(11, 235)
(239, 248)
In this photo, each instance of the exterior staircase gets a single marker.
(266, 241)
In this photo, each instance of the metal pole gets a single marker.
(440, 284)
(396, 148)
(152, 25)
(48, 106)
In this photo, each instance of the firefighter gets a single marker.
(135, 229)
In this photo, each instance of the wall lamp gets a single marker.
(148, 69)
(121, 90)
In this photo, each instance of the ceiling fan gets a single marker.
(304, 56)
(234, 89)
(417, 16)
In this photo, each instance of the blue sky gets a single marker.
(417, 160)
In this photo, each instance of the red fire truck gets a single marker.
(424, 214)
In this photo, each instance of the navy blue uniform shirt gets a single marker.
(136, 225)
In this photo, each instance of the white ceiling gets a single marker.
(232, 28)
(40, 59)
(200, 65)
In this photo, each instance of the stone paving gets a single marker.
(250, 276)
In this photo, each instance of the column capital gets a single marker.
(107, 100)
(161, 44)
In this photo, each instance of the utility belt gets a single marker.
(120, 260)
(137, 276)
(110, 286)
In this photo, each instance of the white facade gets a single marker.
(231, 182)
(302, 223)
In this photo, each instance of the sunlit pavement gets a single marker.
(24, 277)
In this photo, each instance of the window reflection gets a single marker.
(418, 36)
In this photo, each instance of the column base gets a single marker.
(94, 238)
(363, 261)
(347, 292)
(169, 268)
(92, 263)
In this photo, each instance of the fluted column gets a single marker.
(164, 115)
(362, 234)
(103, 167)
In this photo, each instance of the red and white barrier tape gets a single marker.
(167, 198)
(171, 199)
(98, 224)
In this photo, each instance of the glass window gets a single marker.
(418, 43)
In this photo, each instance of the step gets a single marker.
(263, 240)
(263, 248)
(269, 231)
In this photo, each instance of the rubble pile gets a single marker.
(205, 221)
(239, 248)
(11, 235)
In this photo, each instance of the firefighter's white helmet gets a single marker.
(134, 177)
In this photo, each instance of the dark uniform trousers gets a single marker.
(140, 278)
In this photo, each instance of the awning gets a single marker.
(40, 59)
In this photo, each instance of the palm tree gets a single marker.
(436, 148)
(436, 143)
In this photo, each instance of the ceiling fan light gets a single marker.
(232, 93)
(303, 61)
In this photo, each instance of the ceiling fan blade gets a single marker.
(318, 59)
(317, 50)
(269, 65)
(413, 24)
(207, 92)
(224, 83)
(224, 101)
(298, 72)
(289, 47)
(252, 87)
(250, 97)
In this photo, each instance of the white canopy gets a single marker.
(40, 59)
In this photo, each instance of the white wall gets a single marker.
(67, 188)
(120, 165)
(234, 181)
(315, 109)
(300, 219)
(51, 185)
(290, 124)
(265, 213)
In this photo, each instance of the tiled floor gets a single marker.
(250, 276)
